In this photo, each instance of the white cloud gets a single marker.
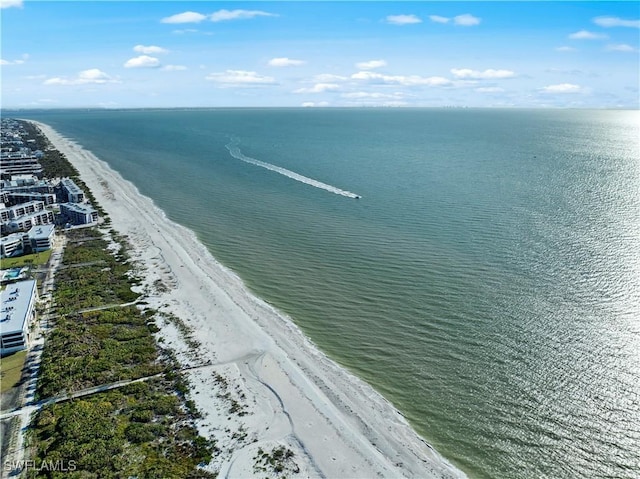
(149, 50)
(439, 19)
(586, 35)
(285, 62)
(174, 68)
(311, 104)
(185, 30)
(403, 19)
(466, 20)
(486, 74)
(328, 78)
(10, 3)
(616, 22)
(623, 47)
(365, 95)
(239, 78)
(490, 89)
(15, 62)
(318, 88)
(408, 80)
(371, 64)
(565, 49)
(185, 17)
(85, 77)
(224, 15)
(143, 61)
(562, 88)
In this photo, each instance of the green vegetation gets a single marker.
(11, 370)
(54, 163)
(279, 461)
(26, 260)
(99, 347)
(142, 430)
(139, 430)
(92, 276)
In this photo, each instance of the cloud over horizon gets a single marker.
(218, 16)
(318, 88)
(24, 58)
(143, 61)
(403, 19)
(239, 78)
(466, 20)
(406, 80)
(91, 76)
(587, 35)
(226, 15)
(371, 64)
(562, 88)
(467, 73)
(621, 47)
(149, 50)
(285, 62)
(608, 22)
(185, 17)
(11, 3)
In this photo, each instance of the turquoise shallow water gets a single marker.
(487, 281)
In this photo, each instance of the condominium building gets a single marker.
(41, 237)
(17, 312)
(36, 240)
(12, 212)
(16, 198)
(11, 245)
(19, 164)
(26, 222)
(78, 213)
(68, 191)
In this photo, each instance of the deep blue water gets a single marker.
(487, 282)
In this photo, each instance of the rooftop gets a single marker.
(70, 185)
(42, 231)
(15, 299)
(79, 207)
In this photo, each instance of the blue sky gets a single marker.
(244, 54)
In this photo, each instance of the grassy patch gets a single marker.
(92, 276)
(26, 260)
(96, 348)
(11, 370)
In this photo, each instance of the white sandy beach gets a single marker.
(281, 388)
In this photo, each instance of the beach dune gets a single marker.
(272, 402)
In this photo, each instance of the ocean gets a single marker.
(480, 268)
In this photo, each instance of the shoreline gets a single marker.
(258, 381)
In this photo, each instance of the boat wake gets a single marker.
(234, 150)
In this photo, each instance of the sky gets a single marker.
(156, 54)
